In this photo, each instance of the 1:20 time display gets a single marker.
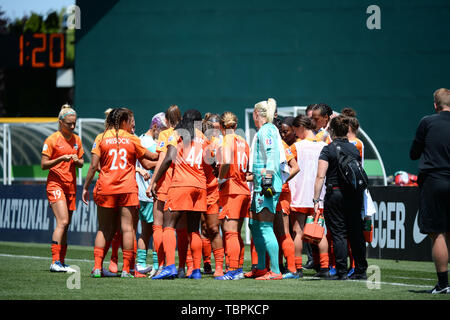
(40, 50)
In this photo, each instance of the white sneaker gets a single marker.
(143, 270)
(57, 267)
(152, 273)
(68, 268)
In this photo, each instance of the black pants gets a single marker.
(342, 212)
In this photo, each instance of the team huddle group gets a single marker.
(190, 181)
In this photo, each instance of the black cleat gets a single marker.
(438, 289)
(358, 276)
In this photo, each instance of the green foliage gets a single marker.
(34, 23)
(52, 23)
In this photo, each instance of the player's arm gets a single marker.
(90, 175)
(418, 144)
(148, 164)
(165, 164)
(294, 169)
(79, 162)
(47, 163)
(320, 178)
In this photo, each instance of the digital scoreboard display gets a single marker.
(33, 50)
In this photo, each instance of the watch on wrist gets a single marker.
(317, 200)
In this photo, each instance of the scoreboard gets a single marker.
(33, 50)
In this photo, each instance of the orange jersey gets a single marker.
(165, 138)
(360, 146)
(289, 157)
(237, 147)
(117, 162)
(62, 174)
(189, 164)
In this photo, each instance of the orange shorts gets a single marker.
(284, 203)
(186, 199)
(212, 201)
(234, 206)
(307, 211)
(117, 200)
(55, 194)
(161, 196)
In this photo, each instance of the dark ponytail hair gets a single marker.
(187, 124)
(114, 119)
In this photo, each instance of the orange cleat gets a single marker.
(255, 273)
(137, 274)
(218, 272)
(271, 276)
(113, 266)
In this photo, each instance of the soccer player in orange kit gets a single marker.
(234, 193)
(61, 154)
(187, 191)
(116, 190)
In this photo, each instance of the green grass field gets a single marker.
(24, 274)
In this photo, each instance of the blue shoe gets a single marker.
(350, 272)
(332, 271)
(290, 275)
(196, 274)
(230, 275)
(168, 272)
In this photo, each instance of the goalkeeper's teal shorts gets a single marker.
(259, 202)
(146, 211)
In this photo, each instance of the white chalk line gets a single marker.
(381, 282)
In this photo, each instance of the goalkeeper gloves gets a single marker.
(267, 188)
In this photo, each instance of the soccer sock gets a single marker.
(233, 249)
(442, 279)
(115, 244)
(324, 260)
(155, 260)
(242, 252)
(258, 240)
(98, 257)
(218, 258)
(133, 258)
(169, 245)
(157, 243)
(189, 260)
(287, 245)
(271, 244)
(206, 250)
(127, 259)
(62, 253)
(196, 249)
(253, 252)
(56, 249)
(141, 257)
(183, 244)
(298, 263)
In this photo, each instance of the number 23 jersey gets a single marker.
(118, 155)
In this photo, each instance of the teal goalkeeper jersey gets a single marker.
(266, 155)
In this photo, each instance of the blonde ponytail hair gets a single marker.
(66, 110)
(228, 120)
(266, 109)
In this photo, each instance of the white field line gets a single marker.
(91, 261)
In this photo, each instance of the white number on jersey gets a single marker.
(123, 156)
